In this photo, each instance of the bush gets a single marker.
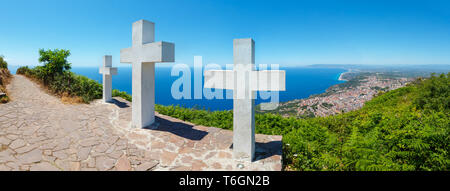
(67, 83)
(4, 79)
(122, 94)
(220, 119)
(3, 63)
(24, 70)
(55, 63)
(435, 93)
(56, 76)
(86, 88)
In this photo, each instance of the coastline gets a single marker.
(296, 78)
(341, 76)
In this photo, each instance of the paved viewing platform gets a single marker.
(39, 132)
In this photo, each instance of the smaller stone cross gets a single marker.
(107, 70)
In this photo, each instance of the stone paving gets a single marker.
(39, 132)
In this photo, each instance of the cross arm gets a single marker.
(108, 71)
(268, 80)
(265, 80)
(127, 55)
(158, 52)
(150, 52)
(219, 79)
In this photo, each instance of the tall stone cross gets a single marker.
(244, 81)
(143, 55)
(107, 70)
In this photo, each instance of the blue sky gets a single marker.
(289, 33)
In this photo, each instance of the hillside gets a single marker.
(404, 129)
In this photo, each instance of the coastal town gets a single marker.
(348, 96)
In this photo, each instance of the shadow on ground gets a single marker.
(119, 103)
(177, 128)
(266, 150)
(262, 150)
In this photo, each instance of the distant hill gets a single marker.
(424, 69)
(408, 71)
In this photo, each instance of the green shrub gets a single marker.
(220, 119)
(66, 83)
(22, 70)
(435, 93)
(76, 85)
(55, 63)
(59, 80)
(122, 94)
(3, 63)
(4, 79)
(87, 89)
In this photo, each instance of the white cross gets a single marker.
(244, 81)
(143, 55)
(107, 70)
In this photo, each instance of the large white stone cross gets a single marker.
(107, 70)
(143, 55)
(244, 81)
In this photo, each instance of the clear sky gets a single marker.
(289, 33)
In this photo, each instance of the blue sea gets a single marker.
(301, 82)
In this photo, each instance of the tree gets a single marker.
(55, 63)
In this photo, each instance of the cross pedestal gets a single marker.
(143, 55)
(244, 81)
(107, 70)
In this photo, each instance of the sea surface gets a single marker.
(301, 82)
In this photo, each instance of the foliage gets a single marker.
(67, 83)
(76, 85)
(122, 94)
(24, 70)
(3, 63)
(220, 119)
(56, 76)
(4, 99)
(55, 63)
(435, 93)
(391, 132)
(4, 79)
